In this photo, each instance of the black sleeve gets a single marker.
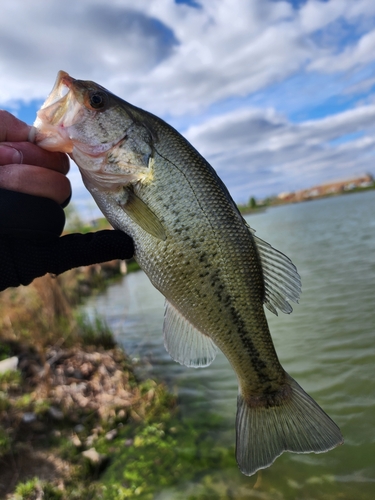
(26, 216)
(30, 245)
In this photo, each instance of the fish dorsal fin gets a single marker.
(185, 344)
(142, 215)
(281, 279)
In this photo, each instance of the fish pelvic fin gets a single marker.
(290, 420)
(184, 343)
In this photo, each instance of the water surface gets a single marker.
(326, 344)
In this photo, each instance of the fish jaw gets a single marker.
(57, 125)
(58, 113)
(108, 157)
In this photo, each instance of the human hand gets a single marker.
(27, 168)
(33, 187)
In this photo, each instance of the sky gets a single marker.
(278, 95)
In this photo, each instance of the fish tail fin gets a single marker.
(290, 420)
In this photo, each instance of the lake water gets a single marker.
(327, 344)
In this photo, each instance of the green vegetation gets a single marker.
(132, 266)
(74, 223)
(163, 452)
(143, 447)
(75, 393)
(34, 488)
(94, 333)
(5, 351)
(253, 203)
(253, 206)
(360, 189)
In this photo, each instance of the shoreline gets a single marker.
(73, 388)
(75, 420)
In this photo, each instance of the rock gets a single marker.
(9, 364)
(123, 268)
(76, 441)
(77, 374)
(93, 456)
(39, 427)
(79, 428)
(111, 435)
(28, 417)
(121, 414)
(56, 413)
(90, 439)
(86, 370)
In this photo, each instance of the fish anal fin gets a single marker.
(293, 422)
(142, 215)
(185, 344)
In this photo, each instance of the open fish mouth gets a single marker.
(61, 88)
(60, 111)
(54, 128)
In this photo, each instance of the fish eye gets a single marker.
(98, 100)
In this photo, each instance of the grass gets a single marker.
(5, 351)
(10, 380)
(94, 332)
(153, 448)
(41, 319)
(43, 313)
(34, 488)
(162, 453)
(132, 266)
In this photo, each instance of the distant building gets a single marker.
(336, 187)
(285, 196)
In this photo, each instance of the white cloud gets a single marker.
(272, 153)
(167, 57)
(171, 58)
(90, 39)
(361, 53)
(204, 65)
(236, 48)
(317, 15)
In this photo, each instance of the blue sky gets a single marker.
(277, 95)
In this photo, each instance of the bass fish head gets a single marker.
(101, 132)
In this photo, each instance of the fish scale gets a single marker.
(196, 248)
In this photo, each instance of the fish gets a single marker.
(190, 239)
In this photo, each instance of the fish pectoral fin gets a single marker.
(281, 279)
(142, 215)
(185, 344)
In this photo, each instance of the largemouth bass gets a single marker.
(196, 248)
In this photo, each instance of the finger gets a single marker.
(30, 154)
(12, 129)
(36, 181)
